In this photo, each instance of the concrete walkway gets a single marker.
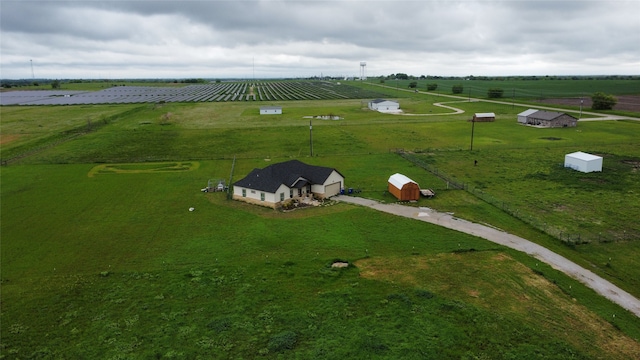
(595, 282)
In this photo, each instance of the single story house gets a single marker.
(403, 188)
(545, 118)
(583, 162)
(277, 183)
(384, 105)
(270, 110)
(484, 117)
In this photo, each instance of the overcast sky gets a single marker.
(274, 38)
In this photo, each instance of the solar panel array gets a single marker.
(241, 91)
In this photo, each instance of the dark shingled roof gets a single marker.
(546, 115)
(288, 173)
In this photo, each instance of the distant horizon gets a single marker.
(411, 77)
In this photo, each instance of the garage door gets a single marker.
(332, 189)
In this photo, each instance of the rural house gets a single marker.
(484, 117)
(583, 162)
(384, 105)
(292, 179)
(550, 119)
(403, 188)
(270, 110)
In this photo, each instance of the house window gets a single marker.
(261, 196)
(244, 192)
(281, 196)
(291, 193)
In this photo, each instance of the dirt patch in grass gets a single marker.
(8, 139)
(551, 138)
(499, 283)
(635, 165)
(625, 102)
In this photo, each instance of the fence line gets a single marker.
(568, 238)
(230, 188)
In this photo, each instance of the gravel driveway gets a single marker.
(595, 282)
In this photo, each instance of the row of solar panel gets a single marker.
(193, 93)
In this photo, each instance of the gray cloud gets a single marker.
(120, 39)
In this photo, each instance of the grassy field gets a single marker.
(525, 89)
(101, 258)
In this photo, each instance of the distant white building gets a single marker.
(270, 110)
(583, 162)
(384, 105)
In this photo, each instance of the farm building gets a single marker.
(522, 117)
(544, 118)
(403, 188)
(270, 110)
(292, 179)
(384, 105)
(583, 162)
(484, 117)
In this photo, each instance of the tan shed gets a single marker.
(484, 117)
(403, 188)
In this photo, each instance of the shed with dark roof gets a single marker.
(276, 183)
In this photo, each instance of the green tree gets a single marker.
(602, 101)
(55, 84)
(432, 87)
(457, 89)
(413, 84)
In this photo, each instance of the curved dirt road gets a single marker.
(595, 282)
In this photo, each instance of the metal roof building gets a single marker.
(583, 162)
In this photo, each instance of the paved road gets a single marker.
(600, 285)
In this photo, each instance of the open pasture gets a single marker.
(541, 88)
(561, 93)
(115, 265)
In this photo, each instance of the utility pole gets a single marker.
(473, 124)
(311, 138)
(581, 101)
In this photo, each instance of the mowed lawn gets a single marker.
(107, 264)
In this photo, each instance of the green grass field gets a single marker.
(101, 258)
(525, 89)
